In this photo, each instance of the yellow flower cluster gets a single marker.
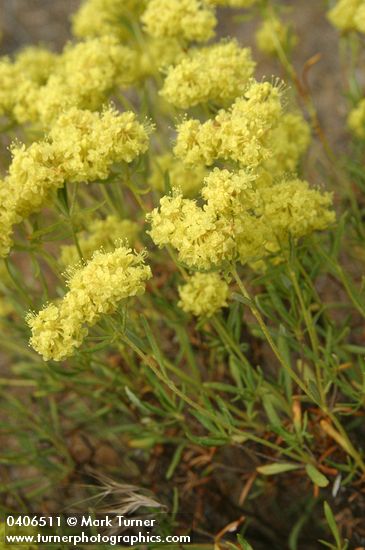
(88, 143)
(40, 85)
(348, 15)
(187, 179)
(94, 290)
(106, 17)
(81, 146)
(204, 294)
(34, 171)
(36, 63)
(274, 34)
(100, 234)
(241, 133)
(360, 18)
(217, 73)
(288, 141)
(189, 20)
(21, 79)
(86, 74)
(356, 120)
(242, 219)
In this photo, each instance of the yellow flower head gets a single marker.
(81, 146)
(201, 240)
(94, 290)
(217, 73)
(36, 63)
(181, 176)
(288, 143)
(240, 133)
(190, 20)
(241, 220)
(204, 294)
(356, 120)
(21, 79)
(89, 143)
(100, 234)
(274, 34)
(106, 17)
(345, 13)
(359, 18)
(34, 172)
(86, 73)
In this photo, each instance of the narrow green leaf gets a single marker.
(277, 468)
(332, 523)
(175, 461)
(243, 543)
(316, 476)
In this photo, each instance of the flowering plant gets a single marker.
(232, 328)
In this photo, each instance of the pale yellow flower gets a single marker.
(82, 146)
(356, 120)
(203, 294)
(21, 80)
(241, 220)
(190, 20)
(94, 290)
(240, 133)
(217, 73)
(86, 74)
(343, 15)
(89, 143)
(288, 142)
